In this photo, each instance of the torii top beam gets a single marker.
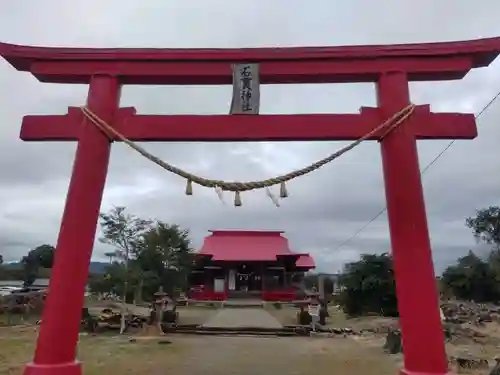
(142, 66)
(419, 62)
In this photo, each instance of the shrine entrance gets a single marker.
(395, 123)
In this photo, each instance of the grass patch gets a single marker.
(16, 319)
(100, 355)
(210, 355)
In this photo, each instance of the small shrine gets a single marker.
(248, 264)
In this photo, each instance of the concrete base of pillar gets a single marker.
(71, 368)
(408, 372)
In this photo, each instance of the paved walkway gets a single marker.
(245, 317)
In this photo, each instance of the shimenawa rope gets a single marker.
(237, 187)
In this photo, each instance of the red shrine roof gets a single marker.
(239, 245)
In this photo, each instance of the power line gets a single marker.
(422, 172)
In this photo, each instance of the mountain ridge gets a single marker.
(94, 267)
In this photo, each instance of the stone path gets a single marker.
(245, 317)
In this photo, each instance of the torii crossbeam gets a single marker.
(389, 67)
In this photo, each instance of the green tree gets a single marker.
(494, 264)
(125, 233)
(40, 257)
(165, 258)
(45, 255)
(150, 255)
(486, 225)
(1, 259)
(110, 282)
(486, 229)
(471, 278)
(369, 286)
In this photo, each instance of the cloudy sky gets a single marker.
(326, 207)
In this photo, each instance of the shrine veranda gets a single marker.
(101, 120)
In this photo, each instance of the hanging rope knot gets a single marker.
(396, 120)
(386, 128)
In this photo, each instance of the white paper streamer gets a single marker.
(220, 194)
(273, 197)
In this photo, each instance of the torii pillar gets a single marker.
(389, 67)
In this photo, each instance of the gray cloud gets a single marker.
(326, 207)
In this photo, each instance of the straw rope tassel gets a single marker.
(237, 199)
(189, 187)
(283, 190)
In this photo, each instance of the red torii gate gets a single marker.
(389, 67)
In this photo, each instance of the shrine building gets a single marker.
(248, 264)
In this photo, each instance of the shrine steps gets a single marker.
(243, 302)
(237, 331)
